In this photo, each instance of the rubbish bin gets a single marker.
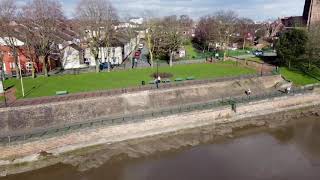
(143, 83)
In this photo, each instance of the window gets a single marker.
(12, 65)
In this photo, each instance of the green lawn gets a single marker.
(42, 86)
(298, 77)
(255, 59)
(191, 52)
(238, 52)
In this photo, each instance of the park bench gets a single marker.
(179, 79)
(151, 82)
(166, 81)
(59, 93)
(191, 78)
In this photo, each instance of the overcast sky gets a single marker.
(255, 9)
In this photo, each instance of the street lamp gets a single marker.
(157, 78)
(21, 81)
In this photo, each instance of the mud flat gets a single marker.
(93, 147)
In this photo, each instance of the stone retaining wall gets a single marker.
(21, 119)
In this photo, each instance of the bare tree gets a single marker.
(42, 18)
(206, 32)
(245, 28)
(172, 39)
(97, 18)
(226, 21)
(150, 29)
(8, 12)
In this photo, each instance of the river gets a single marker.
(291, 152)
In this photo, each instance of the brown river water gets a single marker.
(291, 152)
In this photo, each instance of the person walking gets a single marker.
(288, 89)
(158, 80)
(136, 62)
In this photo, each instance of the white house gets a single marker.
(121, 46)
(136, 20)
(73, 57)
(120, 49)
(4, 41)
(113, 55)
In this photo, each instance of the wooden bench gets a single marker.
(166, 81)
(60, 93)
(179, 79)
(151, 82)
(191, 78)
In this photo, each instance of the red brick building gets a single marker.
(26, 60)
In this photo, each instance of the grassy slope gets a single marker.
(42, 86)
(298, 77)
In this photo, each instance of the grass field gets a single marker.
(298, 77)
(191, 52)
(42, 86)
(238, 52)
(255, 59)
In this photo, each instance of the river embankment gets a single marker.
(155, 134)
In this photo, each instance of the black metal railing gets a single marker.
(35, 134)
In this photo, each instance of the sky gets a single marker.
(255, 9)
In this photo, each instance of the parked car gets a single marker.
(258, 53)
(105, 66)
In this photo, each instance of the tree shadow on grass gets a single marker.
(27, 93)
(273, 60)
(303, 72)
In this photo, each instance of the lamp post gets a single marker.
(262, 69)
(157, 79)
(21, 79)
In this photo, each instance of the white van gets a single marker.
(140, 46)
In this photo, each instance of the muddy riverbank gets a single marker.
(280, 152)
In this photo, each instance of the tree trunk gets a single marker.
(150, 49)
(33, 70)
(44, 65)
(17, 70)
(16, 62)
(45, 69)
(151, 58)
(244, 43)
(289, 64)
(171, 58)
(97, 65)
(309, 61)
